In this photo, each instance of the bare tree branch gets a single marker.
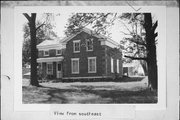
(114, 18)
(125, 27)
(156, 34)
(94, 20)
(40, 26)
(125, 33)
(27, 16)
(136, 58)
(154, 26)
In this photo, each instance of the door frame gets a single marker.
(58, 73)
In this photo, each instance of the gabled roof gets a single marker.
(50, 43)
(88, 31)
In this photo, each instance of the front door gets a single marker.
(59, 70)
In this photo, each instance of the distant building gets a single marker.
(133, 69)
(80, 56)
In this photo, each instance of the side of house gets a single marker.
(91, 56)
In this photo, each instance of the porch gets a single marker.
(50, 68)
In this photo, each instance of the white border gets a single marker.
(161, 14)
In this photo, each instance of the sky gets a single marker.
(60, 22)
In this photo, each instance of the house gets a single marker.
(133, 69)
(84, 55)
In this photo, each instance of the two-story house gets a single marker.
(50, 57)
(85, 55)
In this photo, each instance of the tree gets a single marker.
(33, 30)
(151, 49)
(134, 41)
(144, 44)
(80, 20)
(32, 25)
(42, 33)
(143, 49)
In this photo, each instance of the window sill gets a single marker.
(76, 52)
(74, 73)
(92, 72)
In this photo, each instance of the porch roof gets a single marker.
(50, 59)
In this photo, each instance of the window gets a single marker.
(76, 46)
(112, 65)
(89, 44)
(117, 65)
(50, 68)
(75, 65)
(91, 64)
(46, 53)
(58, 52)
(59, 66)
(39, 68)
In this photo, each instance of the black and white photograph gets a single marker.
(89, 58)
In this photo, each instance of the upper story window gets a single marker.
(76, 46)
(89, 44)
(58, 52)
(46, 53)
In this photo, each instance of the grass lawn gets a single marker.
(133, 91)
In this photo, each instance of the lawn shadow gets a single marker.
(90, 95)
(130, 79)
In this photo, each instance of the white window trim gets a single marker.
(87, 45)
(95, 65)
(76, 41)
(57, 52)
(117, 65)
(72, 59)
(46, 51)
(112, 65)
(47, 68)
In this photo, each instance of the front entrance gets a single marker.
(59, 70)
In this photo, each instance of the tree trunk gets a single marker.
(32, 26)
(151, 51)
